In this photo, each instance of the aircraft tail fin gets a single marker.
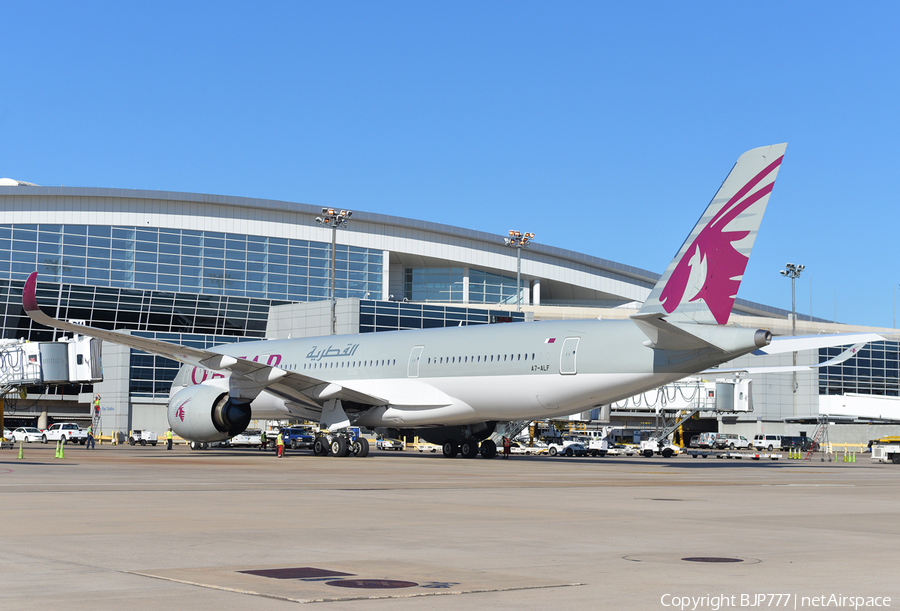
(701, 283)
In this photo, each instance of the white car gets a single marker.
(523, 448)
(429, 447)
(27, 434)
(250, 437)
(567, 447)
(387, 443)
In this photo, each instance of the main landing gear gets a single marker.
(340, 444)
(469, 448)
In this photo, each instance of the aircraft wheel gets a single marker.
(469, 449)
(320, 447)
(361, 447)
(488, 448)
(450, 449)
(339, 446)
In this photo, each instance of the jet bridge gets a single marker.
(69, 360)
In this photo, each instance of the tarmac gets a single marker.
(145, 528)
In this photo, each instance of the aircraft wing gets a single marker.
(247, 376)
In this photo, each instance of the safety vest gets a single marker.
(168, 434)
(280, 440)
(91, 430)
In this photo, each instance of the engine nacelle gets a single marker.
(207, 413)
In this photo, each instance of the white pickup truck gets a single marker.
(66, 431)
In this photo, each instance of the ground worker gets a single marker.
(263, 441)
(280, 443)
(90, 438)
(169, 439)
(506, 447)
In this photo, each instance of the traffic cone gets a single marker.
(62, 448)
(853, 457)
(57, 450)
(21, 451)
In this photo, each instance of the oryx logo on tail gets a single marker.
(710, 265)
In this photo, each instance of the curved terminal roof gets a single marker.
(566, 277)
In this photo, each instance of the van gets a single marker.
(707, 440)
(767, 442)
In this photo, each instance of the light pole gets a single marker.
(518, 240)
(334, 220)
(793, 272)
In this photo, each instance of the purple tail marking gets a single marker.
(717, 246)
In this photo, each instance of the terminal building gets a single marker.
(202, 270)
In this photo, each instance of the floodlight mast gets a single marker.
(518, 240)
(792, 271)
(333, 219)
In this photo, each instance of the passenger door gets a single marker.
(567, 364)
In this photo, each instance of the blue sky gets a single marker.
(604, 128)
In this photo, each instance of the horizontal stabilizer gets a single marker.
(796, 343)
(843, 356)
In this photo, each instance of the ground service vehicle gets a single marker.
(65, 431)
(142, 437)
(886, 449)
(662, 447)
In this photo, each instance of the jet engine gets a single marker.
(207, 413)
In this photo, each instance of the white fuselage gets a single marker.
(458, 376)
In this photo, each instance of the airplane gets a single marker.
(454, 385)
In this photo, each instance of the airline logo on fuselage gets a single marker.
(719, 285)
(331, 352)
(200, 375)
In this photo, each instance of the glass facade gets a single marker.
(485, 287)
(434, 284)
(446, 284)
(393, 316)
(197, 288)
(181, 260)
(873, 371)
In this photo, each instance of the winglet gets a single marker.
(701, 283)
(29, 301)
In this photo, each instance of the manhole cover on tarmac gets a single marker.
(372, 584)
(712, 559)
